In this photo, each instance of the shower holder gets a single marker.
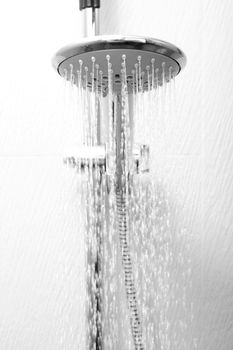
(83, 157)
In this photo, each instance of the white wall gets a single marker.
(40, 273)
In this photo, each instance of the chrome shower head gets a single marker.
(154, 59)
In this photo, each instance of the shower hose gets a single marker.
(123, 228)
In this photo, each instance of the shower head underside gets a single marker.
(143, 61)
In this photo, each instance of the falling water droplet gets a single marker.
(153, 72)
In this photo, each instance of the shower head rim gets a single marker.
(111, 42)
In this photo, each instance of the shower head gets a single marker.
(148, 56)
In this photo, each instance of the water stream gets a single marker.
(138, 270)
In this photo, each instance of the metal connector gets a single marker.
(83, 4)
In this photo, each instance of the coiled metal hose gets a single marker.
(123, 228)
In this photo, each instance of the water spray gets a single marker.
(110, 72)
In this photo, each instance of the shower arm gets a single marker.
(90, 11)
